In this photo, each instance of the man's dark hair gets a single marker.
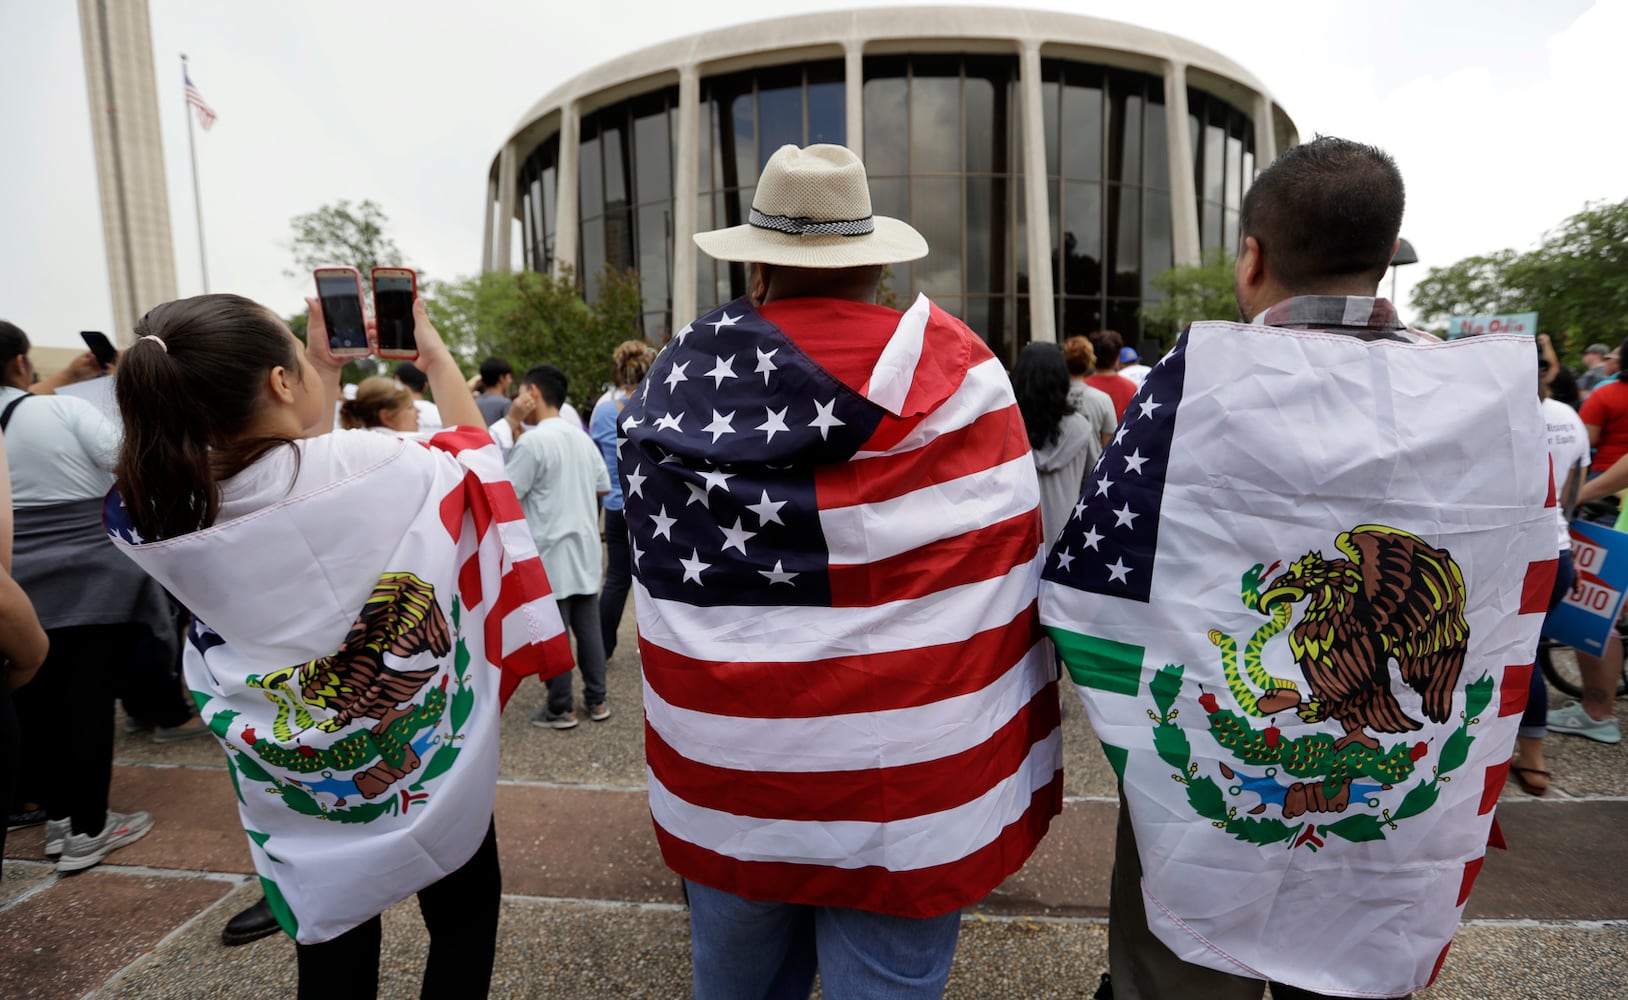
(1106, 343)
(411, 376)
(1328, 209)
(492, 371)
(551, 383)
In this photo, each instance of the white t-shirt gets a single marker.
(505, 440)
(1568, 448)
(1096, 406)
(1135, 372)
(558, 474)
(429, 416)
(61, 449)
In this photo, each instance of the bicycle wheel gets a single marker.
(1559, 665)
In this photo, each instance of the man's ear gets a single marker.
(1251, 270)
(17, 371)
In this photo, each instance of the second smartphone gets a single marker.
(394, 289)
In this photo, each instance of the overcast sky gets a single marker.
(1503, 114)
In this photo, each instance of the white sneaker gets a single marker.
(1572, 720)
(56, 831)
(85, 850)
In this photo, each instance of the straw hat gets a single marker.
(812, 208)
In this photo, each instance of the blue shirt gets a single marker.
(602, 428)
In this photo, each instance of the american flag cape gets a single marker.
(1300, 597)
(366, 774)
(848, 700)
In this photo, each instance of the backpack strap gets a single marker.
(5, 415)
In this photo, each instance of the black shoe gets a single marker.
(25, 818)
(1105, 989)
(252, 924)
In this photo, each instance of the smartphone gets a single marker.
(339, 289)
(100, 346)
(394, 289)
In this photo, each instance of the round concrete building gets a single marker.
(1007, 137)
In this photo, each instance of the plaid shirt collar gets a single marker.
(1361, 316)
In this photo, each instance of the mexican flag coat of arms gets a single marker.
(351, 648)
(1300, 597)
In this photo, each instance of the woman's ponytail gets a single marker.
(188, 390)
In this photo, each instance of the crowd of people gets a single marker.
(844, 528)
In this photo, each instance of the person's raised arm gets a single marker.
(327, 366)
(458, 407)
(82, 368)
(1612, 480)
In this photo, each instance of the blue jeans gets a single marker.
(745, 949)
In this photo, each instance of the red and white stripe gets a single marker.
(900, 750)
(524, 633)
(206, 114)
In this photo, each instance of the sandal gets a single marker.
(1533, 781)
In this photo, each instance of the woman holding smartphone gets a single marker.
(344, 587)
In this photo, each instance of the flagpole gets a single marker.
(197, 202)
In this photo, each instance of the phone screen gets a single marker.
(342, 310)
(393, 303)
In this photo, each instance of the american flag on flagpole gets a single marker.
(847, 700)
(206, 114)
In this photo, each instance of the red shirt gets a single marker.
(1119, 389)
(1607, 409)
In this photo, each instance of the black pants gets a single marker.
(460, 912)
(65, 718)
(618, 578)
(8, 752)
(150, 683)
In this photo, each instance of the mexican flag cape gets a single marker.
(1300, 596)
(351, 650)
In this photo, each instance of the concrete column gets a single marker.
(1266, 134)
(686, 189)
(566, 234)
(1184, 243)
(1036, 206)
(486, 232)
(503, 225)
(853, 93)
(123, 92)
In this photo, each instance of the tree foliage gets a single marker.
(529, 318)
(343, 234)
(1192, 292)
(1575, 279)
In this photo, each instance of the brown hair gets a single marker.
(1080, 356)
(187, 401)
(1107, 344)
(375, 397)
(631, 360)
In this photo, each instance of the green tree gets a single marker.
(343, 234)
(1475, 286)
(1575, 279)
(1192, 292)
(530, 318)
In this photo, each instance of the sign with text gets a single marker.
(1584, 619)
(1470, 326)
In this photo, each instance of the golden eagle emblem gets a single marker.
(1395, 598)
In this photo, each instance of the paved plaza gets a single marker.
(590, 911)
